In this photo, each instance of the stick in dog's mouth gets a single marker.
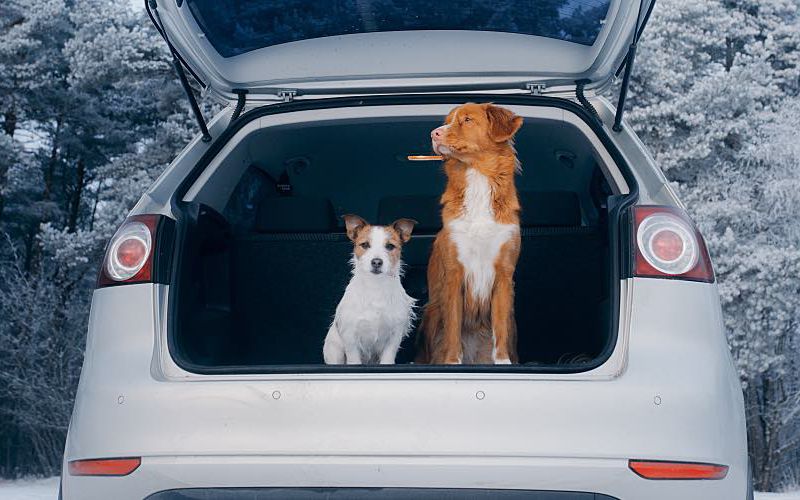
(424, 157)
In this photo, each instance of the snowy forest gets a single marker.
(91, 112)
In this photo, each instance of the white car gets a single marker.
(203, 376)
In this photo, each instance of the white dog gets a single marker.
(375, 313)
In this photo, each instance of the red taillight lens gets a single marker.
(667, 245)
(104, 467)
(129, 256)
(650, 469)
(132, 253)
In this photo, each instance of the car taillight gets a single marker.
(104, 467)
(656, 469)
(129, 255)
(667, 245)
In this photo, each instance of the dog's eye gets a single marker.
(365, 245)
(390, 247)
(467, 119)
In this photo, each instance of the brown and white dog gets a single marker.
(469, 317)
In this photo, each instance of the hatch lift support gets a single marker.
(627, 64)
(177, 61)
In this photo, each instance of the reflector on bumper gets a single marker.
(653, 469)
(104, 467)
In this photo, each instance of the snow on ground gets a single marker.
(29, 489)
(47, 489)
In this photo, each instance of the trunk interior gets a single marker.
(264, 259)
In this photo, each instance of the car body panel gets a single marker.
(433, 59)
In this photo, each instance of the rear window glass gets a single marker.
(237, 26)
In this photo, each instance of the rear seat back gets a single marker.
(560, 278)
(550, 209)
(287, 280)
(289, 277)
(295, 215)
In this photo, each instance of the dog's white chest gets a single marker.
(371, 314)
(478, 236)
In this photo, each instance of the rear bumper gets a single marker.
(506, 477)
(677, 398)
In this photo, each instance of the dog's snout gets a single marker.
(376, 263)
(437, 133)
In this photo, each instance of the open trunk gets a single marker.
(263, 259)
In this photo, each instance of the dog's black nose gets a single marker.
(376, 263)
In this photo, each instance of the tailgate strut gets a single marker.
(628, 64)
(177, 62)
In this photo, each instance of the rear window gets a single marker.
(237, 26)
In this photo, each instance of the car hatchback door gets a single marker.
(305, 47)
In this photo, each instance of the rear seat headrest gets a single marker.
(550, 208)
(424, 209)
(295, 214)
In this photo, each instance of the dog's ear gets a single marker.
(404, 228)
(353, 224)
(503, 123)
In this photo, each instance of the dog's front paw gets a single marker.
(452, 361)
(502, 361)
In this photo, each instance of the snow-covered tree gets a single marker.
(31, 32)
(715, 96)
(91, 113)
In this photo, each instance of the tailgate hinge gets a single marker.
(535, 88)
(287, 95)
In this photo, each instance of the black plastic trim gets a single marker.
(616, 250)
(241, 99)
(370, 493)
(165, 243)
(579, 86)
